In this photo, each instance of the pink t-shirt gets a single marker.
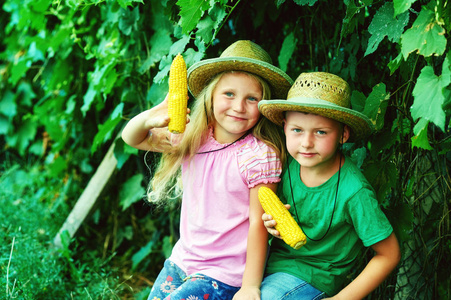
(214, 220)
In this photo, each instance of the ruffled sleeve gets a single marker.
(258, 163)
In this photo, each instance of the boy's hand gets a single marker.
(270, 223)
(247, 293)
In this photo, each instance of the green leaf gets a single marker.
(107, 129)
(383, 177)
(385, 25)
(401, 6)
(205, 29)
(420, 140)
(160, 42)
(395, 63)
(190, 13)
(128, 20)
(358, 101)
(5, 125)
(426, 36)
(305, 2)
(167, 246)
(8, 105)
(122, 152)
(349, 22)
(126, 3)
(376, 105)
(288, 47)
(131, 191)
(429, 97)
(18, 70)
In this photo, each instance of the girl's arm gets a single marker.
(378, 268)
(257, 247)
(148, 130)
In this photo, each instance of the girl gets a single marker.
(330, 198)
(226, 153)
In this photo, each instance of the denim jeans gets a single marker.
(174, 284)
(284, 286)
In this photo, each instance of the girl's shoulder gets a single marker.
(252, 144)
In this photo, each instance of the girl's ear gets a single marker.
(346, 134)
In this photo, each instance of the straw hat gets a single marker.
(245, 56)
(321, 94)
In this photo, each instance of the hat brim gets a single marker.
(359, 123)
(203, 71)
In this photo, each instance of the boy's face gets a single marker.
(313, 140)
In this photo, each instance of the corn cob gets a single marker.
(289, 230)
(178, 95)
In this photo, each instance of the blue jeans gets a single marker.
(284, 286)
(174, 284)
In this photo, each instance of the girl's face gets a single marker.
(313, 140)
(235, 106)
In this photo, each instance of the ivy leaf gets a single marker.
(429, 97)
(426, 36)
(190, 13)
(205, 30)
(358, 101)
(349, 22)
(305, 2)
(128, 20)
(288, 47)
(401, 6)
(385, 25)
(125, 3)
(376, 105)
(8, 106)
(106, 129)
(395, 63)
(420, 139)
(122, 152)
(131, 191)
(18, 70)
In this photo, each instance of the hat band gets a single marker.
(314, 102)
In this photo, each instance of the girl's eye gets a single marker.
(252, 99)
(229, 94)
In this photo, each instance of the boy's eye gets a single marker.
(320, 132)
(297, 130)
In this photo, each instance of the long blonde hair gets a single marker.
(166, 183)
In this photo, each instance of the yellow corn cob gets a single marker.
(178, 95)
(289, 230)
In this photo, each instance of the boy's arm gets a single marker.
(378, 268)
(257, 246)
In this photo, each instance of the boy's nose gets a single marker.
(307, 141)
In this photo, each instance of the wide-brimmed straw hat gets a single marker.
(323, 94)
(245, 56)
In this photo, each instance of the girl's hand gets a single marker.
(270, 223)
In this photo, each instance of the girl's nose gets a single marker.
(239, 105)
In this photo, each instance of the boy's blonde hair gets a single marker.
(166, 183)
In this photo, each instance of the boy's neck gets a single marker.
(313, 177)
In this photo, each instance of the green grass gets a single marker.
(32, 208)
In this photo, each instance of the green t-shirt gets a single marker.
(358, 221)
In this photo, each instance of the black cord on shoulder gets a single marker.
(335, 202)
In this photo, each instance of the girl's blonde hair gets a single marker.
(166, 183)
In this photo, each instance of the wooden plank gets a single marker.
(89, 196)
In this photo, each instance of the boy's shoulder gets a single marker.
(353, 178)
